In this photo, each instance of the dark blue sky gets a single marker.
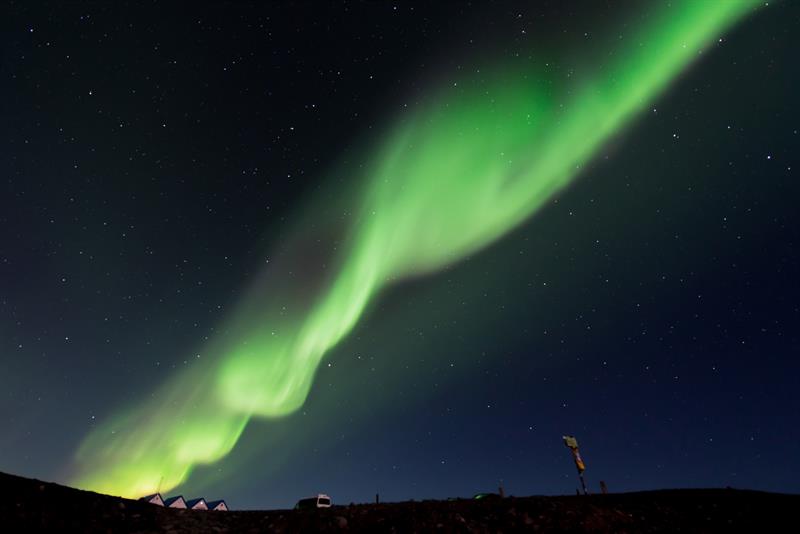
(151, 154)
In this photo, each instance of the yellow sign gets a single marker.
(570, 442)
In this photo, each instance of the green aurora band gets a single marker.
(463, 170)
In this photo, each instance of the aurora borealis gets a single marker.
(449, 180)
(474, 158)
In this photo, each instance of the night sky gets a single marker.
(178, 179)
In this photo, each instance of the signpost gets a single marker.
(572, 444)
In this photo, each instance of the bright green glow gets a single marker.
(447, 181)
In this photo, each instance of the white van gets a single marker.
(320, 501)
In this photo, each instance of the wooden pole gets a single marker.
(583, 483)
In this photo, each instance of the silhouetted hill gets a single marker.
(28, 505)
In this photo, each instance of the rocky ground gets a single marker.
(28, 505)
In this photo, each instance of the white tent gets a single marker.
(175, 502)
(219, 506)
(155, 498)
(197, 504)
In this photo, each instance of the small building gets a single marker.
(197, 504)
(175, 502)
(320, 501)
(219, 506)
(155, 498)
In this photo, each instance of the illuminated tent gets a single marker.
(175, 502)
(155, 498)
(219, 506)
(197, 504)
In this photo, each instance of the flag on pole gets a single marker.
(572, 443)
